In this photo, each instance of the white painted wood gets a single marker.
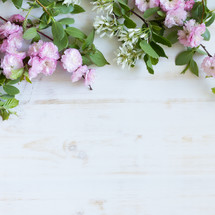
(136, 145)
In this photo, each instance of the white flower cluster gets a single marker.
(68, 2)
(131, 36)
(126, 56)
(106, 26)
(103, 6)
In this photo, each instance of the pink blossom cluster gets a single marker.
(143, 5)
(41, 57)
(72, 62)
(176, 15)
(191, 35)
(208, 65)
(176, 10)
(11, 39)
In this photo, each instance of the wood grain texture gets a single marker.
(136, 145)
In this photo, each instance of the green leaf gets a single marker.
(213, 90)
(89, 40)
(17, 3)
(149, 12)
(129, 23)
(116, 9)
(201, 52)
(77, 9)
(12, 82)
(62, 44)
(161, 13)
(11, 103)
(185, 69)
(63, 9)
(123, 5)
(159, 50)
(148, 64)
(148, 49)
(57, 31)
(16, 73)
(210, 21)
(172, 37)
(98, 59)
(86, 60)
(67, 21)
(44, 21)
(194, 67)
(184, 58)
(30, 33)
(206, 35)
(162, 40)
(197, 11)
(5, 114)
(74, 32)
(11, 90)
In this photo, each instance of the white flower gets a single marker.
(127, 56)
(68, 2)
(103, 6)
(106, 26)
(131, 36)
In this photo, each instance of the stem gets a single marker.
(203, 13)
(38, 2)
(139, 17)
(45, 35)
(37, 31)
(89, 85)
(206, 50)
(3, 19)
(26, 17)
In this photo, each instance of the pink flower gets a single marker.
(143, 5)
(34, 49)
(89, 77)
(36, 67)
(13, 43)
(189, 5)
(191, 35)
(77, 75)
(167, 5)
(48, 66)
(175, 17)
(208, 65)
(11, 62)
(8, 28)
(71, 60)
(17, 18)
(49, 50)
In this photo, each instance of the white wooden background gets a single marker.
(136, 145)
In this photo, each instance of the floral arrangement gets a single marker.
(143, 27)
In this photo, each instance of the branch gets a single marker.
(38, 2)
(139, 17)
(206, 50)
(28, 27)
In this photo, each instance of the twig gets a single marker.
(38, 2)
(203, 13)
(45, 35)
(37, 31)
(3, 19)
(206, 50)
(139, 17)
(90, 87)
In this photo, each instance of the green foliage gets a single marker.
(7, 99)
(184, 57)
(146, 47)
